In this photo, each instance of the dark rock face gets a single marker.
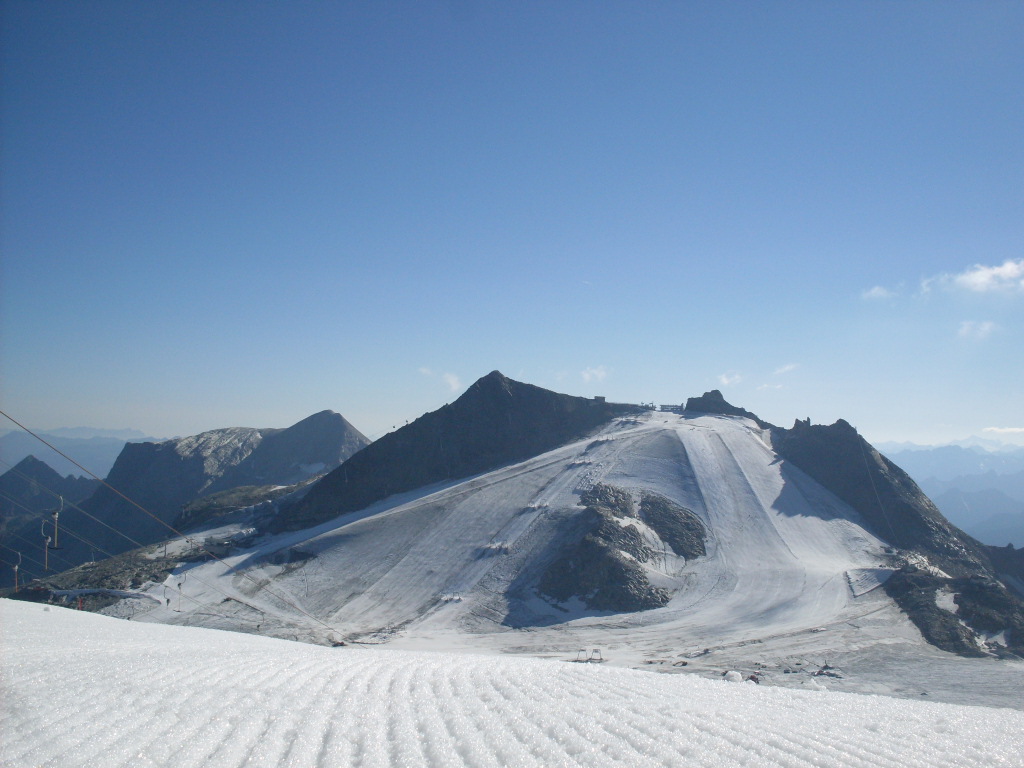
(677, 526)
(96, 452)
(496, 421)
(914, 592)
(602, 568)
(982, 604)
(714, 402)
(1009, 566)
(163, 477)
(889, 501)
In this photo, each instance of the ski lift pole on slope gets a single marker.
(46, 546)
(16, 566)
(56, 529)
(183, 577)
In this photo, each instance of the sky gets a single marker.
(239, 214)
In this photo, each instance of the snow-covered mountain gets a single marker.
(706, 539)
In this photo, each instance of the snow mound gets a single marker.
(83, 689)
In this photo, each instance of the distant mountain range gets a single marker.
(94, 449)
(981, 491)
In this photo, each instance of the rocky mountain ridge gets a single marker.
(162, 477)
(497, 420)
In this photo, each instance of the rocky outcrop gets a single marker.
(315, 445)
(495, 422)
(982, 608)
(677, 526)
(714, 402)
(602, 569)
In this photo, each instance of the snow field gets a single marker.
(82, 689)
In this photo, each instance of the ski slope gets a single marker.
(82, 689)
(788, 582)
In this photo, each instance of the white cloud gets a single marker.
(1007, 277)
(453, 381)
(786, 368)
(974, 329)
(594, 374)
(728, 379)
(770, 386)
(878, 292)
(1005, 430)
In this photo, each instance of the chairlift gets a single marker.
(581, 655)
(595, 655)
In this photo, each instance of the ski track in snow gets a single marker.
(89, 690)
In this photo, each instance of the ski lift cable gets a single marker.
(21, 568)
(259, 586)
(26, 557)
(65, 528)
(31, 544)
(99, 549)
(70, 504)
(108, 554)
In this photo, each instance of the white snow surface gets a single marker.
(81, 689)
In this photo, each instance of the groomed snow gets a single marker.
(81, 689)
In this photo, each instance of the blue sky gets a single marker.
(242, 213)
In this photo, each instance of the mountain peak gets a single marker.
(715, 402)
(496, 421)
